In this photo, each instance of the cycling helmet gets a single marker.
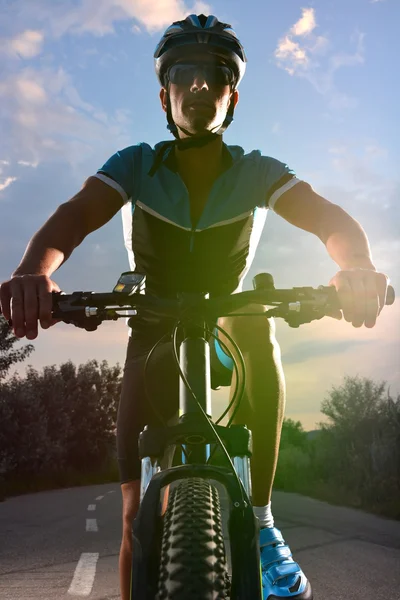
(207, 34)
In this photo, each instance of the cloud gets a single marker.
(27, 44)
(292, 54)
(48, 120)
(307, 57)
(306, 24)
(43, 115)
(6, 182)
(98, 17)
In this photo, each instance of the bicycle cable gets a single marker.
(240, 385)
(243, 370)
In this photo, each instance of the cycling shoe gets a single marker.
(281, 575)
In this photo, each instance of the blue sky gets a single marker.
(320, 93)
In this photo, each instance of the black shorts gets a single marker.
(162, 381)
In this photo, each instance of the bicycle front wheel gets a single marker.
(193, 560)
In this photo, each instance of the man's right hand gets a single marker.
(25, 300)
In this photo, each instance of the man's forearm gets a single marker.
(51, 246)
(346, 241)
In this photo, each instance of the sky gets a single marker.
(320, 94)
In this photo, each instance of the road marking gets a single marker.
(91, 525)
(85, 572)
(91, 507)
(99, 497)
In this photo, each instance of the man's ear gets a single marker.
(163, 98)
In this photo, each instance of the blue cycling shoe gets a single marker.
(281, 575)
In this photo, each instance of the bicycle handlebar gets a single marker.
(296, 306)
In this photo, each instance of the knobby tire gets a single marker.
(193, 563)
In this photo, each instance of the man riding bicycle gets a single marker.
(193, 211)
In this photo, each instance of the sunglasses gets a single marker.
(214, 74)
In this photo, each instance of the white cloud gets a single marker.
(27, 44)
(3, 163)
(29, 90)
(99, 16)
(291, 54)
(49, 120)
(307, 57)
(306, 24)
(6, 182)
(26, 163)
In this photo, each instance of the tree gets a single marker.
(357, 400)
(360, 449)
(8, 355)
(293, 434)
(62, 418)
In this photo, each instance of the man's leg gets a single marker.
(130, 506)
(263, 404)
(262, 410)
(134, 412)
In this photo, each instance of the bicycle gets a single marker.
(181, 554)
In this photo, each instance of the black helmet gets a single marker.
(207, 34)
(199, 33)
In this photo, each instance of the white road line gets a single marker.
(91, 507)
(91, 525)
(99, 497)
(83, 579)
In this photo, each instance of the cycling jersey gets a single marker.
(212, 255)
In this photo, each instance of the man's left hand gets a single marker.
(362, 295)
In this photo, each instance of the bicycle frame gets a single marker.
(196, 436)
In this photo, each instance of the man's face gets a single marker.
(198, 106)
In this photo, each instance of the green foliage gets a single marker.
(355, 459)
(60, 419)
(8, 354)
(293, 434)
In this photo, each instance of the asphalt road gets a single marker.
(64, 544)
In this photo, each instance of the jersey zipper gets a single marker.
(192, 234)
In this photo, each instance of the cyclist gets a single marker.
(193, 212)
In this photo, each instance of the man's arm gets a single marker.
(27, 295)
(92, 207)
(361, 290)
(342, 235)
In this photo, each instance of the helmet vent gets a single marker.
(203, 38)
(203, 21)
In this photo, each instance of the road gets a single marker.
(64, 544)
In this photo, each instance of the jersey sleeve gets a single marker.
(279, 178)
(118, 171)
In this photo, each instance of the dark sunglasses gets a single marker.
(214, 74)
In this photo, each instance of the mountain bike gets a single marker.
(180, 554)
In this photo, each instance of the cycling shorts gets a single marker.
(162, 383)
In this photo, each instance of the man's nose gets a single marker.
(199, 82)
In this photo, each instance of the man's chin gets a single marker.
(200, 131)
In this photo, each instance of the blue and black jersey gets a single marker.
(212, 255)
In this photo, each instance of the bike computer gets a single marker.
(130, 282)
